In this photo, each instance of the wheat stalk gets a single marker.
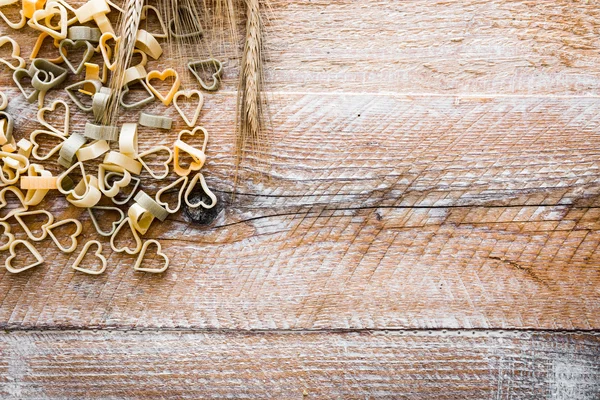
(251, 67)
(128, 27)
(224, 14)
(251, 134)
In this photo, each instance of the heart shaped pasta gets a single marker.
(66, 185)
(35, 152)
(126, 249)
(197, 66)
(3, 202)
(165, 163)
(163, 32)
(15, 53)
(46, 14)
(72, 236)
(181, 181)
(140, 218)
(112, 190)
(140, 259)
(107, 51)
(124, 200)
(97, 254)
(106, 209)
(199, 178)
(146, 100)
(51, 109)
(13, 253)
(185, 25)
(19, 217)
(15, 161)
(8, 176)
(167, 73)
(66, 44)
(18, 76)
(188, 94)
(15, 25)
(9, 236)
(198, 155)
(52, 74)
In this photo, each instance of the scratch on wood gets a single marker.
(519, 267)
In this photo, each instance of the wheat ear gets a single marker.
(250, 111)
(128, 27)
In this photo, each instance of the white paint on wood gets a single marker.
(436, 365)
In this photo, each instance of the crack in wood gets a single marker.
(527, 270)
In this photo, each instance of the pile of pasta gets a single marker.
(111, 150)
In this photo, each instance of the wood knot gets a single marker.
(201, 215)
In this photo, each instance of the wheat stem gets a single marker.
(128, 27)
(250, 112)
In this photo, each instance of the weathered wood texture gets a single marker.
(420, 213)
(433, 164)
(443, 208)
(454, 365)
(467, 46)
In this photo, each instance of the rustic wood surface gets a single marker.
(392, 365)
(433, 165)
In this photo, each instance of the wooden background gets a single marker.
(426, 224)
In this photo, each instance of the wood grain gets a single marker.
(394, 365)
(468, 46)
(415, 46)
(397, 150)
(433, 165)
(527, 267)
(379, 211)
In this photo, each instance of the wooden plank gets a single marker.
(394, 150)
(530, 267)
(416, 46)
(429, 151)
(186, 365)
(424, 212)
(379, 210)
